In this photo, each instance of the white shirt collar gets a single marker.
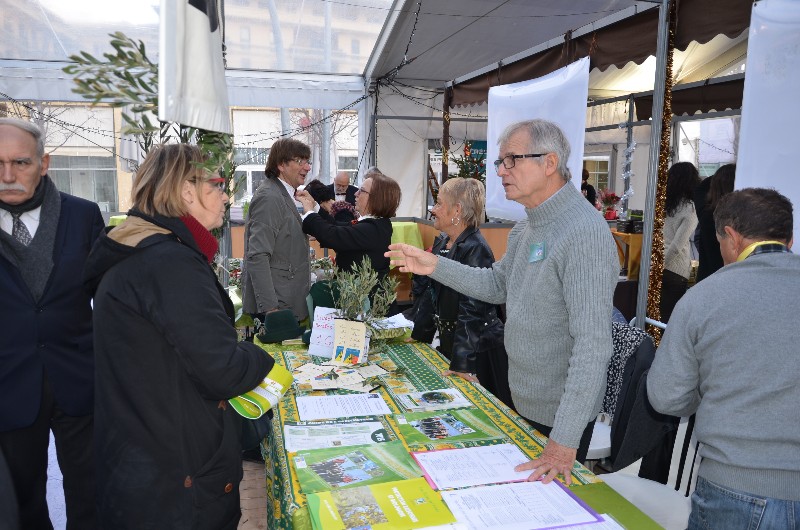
(30, 218)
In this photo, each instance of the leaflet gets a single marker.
(346, 467)
(298, 437)
(519, 506)
(404, 504)
(441, 399)
(310, 408)
(447, 426)
(473, 466)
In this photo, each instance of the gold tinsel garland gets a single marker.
(657, 251)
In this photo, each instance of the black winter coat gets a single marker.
(167, 360)
(477, 326)
(370, 237)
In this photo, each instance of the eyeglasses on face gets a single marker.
(509, 161)
(302, 161)
(362, 190)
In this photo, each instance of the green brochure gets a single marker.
(359, 465)
(447, 426)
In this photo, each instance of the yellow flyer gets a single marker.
(404, 504)
(350, 342)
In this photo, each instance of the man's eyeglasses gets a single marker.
(509, 161)
(302, 161)
(362, 190)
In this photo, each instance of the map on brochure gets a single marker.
(347, 467)
(447, 426)
(405, 504)
(303, 436)
(441, 399)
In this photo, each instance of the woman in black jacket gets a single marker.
(708, 249)
(376, 202)
(470, 331)
(167, 441)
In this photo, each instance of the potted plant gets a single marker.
(609, 199)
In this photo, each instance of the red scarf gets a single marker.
(208, 243)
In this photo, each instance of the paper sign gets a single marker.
(350, 341)
(321, 342)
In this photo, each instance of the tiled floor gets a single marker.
(253, 495)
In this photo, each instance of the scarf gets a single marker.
(35, 262)
(206, 242)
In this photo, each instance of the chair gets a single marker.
(667, 504)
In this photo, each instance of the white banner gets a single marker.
(767, 155)
(559, 97)
(191, 75)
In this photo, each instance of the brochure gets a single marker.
(446, 427)
(343, 433)
(441, 399)
(520, 506)
(310, 408)
(405, 504)
(347, 467)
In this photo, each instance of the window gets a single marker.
(250, 155)
(90, 177)
(355, 46)
(349, 164)
(708, 169)
(244, 35)
(598, 172)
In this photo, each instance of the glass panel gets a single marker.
(239, 186)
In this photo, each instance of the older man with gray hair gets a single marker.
(46, 342)
(557, 280)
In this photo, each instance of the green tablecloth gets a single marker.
(414, 367)
(406, 232)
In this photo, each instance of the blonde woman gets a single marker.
(470, 331)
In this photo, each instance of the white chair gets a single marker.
(600, 446)
(667, 504)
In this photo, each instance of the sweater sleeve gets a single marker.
(486, 284)
(673, 381)
(590, 270)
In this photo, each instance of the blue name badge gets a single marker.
(537, 252)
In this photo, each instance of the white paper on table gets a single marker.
(371, 370)
(519, 506)
(297, 437)
(311, 408)
(309, 371)
(394, 322)
(473, 466)
(321, 341)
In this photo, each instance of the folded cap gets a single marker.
(279, 326)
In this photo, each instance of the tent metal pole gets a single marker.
(652, 171)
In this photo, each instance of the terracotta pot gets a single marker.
(611, 213)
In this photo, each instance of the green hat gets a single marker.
(279, 326)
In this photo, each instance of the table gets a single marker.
(420, 367)
(406, 232)
(630, 248)
(115, 220)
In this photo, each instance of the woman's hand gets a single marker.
(472, 378)
(306, 200)
(411, 259)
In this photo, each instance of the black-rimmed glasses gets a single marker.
(509, 161)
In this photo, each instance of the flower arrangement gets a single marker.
(235, 272)
(609, 198)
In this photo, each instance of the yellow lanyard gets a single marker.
(750, 248)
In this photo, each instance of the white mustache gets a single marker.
(12, 187)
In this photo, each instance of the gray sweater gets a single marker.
(730, 354)
(558, 329)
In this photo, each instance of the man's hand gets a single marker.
(555, 459)
(306, 200)
(412, 259)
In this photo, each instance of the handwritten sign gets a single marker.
(321, 342)
(350, 341)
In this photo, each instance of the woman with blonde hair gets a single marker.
(470, 331)
(167, 442)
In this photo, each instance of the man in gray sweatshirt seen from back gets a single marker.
(730, 354)
(557, 280)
